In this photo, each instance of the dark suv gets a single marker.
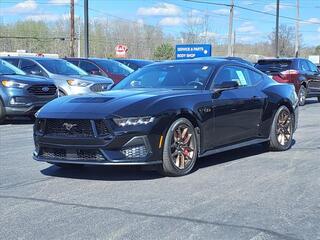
(103, 67)
(302, 73)
(22, 94)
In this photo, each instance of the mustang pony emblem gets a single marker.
(69, 126)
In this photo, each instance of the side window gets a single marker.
(304, 65)
(31, 67)
(89, 67)
(312, 67)
(255, 78)
(233, 73)
(13, 61)
(75, 62)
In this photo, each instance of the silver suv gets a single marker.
(68, 78)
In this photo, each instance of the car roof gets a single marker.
(31, 58)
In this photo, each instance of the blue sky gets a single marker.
(172, 15)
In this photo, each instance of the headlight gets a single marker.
(78, 83)
(133, 121)
(13, 84)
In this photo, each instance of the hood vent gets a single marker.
(90, 100)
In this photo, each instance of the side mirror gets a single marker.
(228, 85)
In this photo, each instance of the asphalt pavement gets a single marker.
(248, 193)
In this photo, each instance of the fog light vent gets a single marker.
(135, 151)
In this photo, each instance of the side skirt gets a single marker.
(234, 146)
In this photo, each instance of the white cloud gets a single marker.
(247, 27)
(222, 11)
(272, 7)
(312, 21)
(61, 2)
(22, 7)
(171, 21)
(161, 9)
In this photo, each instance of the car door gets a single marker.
(314, 79)
(237, 112)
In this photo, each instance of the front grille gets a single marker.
(101, 127)
(43, 90)
(71, 154)
(68, 128)
(99, 87)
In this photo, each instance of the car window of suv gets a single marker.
(31, 68)
(89, 67)
(304, 66)
(233, 73)
(75, 62)
(312, 67)
(13, 61)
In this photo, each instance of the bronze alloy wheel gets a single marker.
(182, 146)
(284, 127)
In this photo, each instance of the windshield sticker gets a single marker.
(204, 67)
(241, 77)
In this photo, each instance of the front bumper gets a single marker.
(138, 147)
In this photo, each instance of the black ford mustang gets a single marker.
(169, 114)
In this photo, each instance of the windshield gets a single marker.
(8, 69)
(62, 67)
(273, 65)
(114, 67)
(171, 76)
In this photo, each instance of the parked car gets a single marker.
(20, 94)
(300, 72)
(169, 114)
(134, 64)
(104, 67)
(69, 79)
(318, 66)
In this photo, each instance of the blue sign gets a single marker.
(189, 51)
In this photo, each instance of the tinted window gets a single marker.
(89, 67)
(233, 73)
(304, 65)
(169, 76)
(59, 66)
(255, 78)
(13, 61)
(114, 67)
(75, 62)
(8, 69)
(30, 67)
(312, 67)
(276, 65)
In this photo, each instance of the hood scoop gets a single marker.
(90, 100)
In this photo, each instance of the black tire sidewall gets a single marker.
(168, 167)
(2, 112)
(274, 143)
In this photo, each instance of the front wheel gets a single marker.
(180, 149)
(2, 113)
(282, 130)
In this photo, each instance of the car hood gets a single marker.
(28, 79)
(120, 103)
(90, 78)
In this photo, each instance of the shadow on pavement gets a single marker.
(125, 173)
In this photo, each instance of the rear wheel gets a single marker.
(302, 95)
(180, 149)
(318, 99)
(282, 130)
(2, 113)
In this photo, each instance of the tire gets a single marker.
(318, 99)
(281, 134)
(180, 150)
(302, 95)
(67, 165)
(2, 113)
